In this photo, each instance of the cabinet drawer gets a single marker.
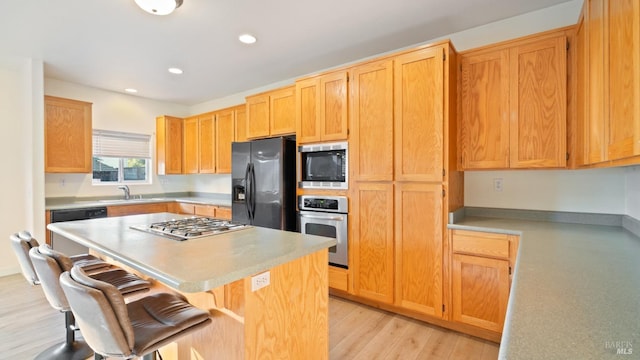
(205, 210)
(481, 243)
(338, 278)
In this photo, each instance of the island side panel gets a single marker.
(289, 318)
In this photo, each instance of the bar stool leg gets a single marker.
(70, 349)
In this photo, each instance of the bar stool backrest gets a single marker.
(21, 243)
(101, 313)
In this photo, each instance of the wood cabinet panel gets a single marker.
(485, 110)
(519, 89)
(623, 63)
(181, 208)
(133, 209)
(224, 137)
(223, 213)
(372, 123)
(419, 111)
(282, 111)
(258, 116)
(373, 243)
(322, 108)
(169, 139)
(578, 149)
(68, 136)
(333, 106)
(308, 110)
(205, 210)
(241, 123)
(480, 291)
(481, 244)
(418, 247)
(191, 150)
(207, 143)
(538, 97)
(596, 131)
(338, 278)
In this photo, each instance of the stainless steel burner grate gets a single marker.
(190, 228)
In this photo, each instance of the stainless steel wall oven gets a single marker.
(326, 216)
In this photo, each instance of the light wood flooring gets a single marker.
(28, 325)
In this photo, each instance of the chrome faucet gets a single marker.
(127, 193)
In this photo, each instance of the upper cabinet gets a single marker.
(240, 131)
(208, 138)
(225, 122)
(67, 140)
(611, 61)
(514, 104)
(169, 139)
(271, 113)
(321, 112)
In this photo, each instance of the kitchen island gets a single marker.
(287, 318)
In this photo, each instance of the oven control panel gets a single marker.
(323, 203)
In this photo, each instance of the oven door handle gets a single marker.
(320, 217)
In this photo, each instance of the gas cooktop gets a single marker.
(190, 228)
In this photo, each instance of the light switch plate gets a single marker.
(261, 280)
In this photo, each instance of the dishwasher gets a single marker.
(67, 246)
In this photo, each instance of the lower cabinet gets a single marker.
(213, 211)
(134, 209)
(338, 278)
(481, 267)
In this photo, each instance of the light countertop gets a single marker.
(193, 265)
(575, 292)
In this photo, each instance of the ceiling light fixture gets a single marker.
(159, 7)
(247, 38)
(131, 90)
(175, 70)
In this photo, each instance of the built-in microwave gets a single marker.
(324, 166)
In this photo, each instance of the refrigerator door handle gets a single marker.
(252, 173)
(247, 196)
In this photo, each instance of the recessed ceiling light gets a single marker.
(247, 38)
(131, 90)
(175, 70)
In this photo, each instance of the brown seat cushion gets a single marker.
(160, 316)
(125, 282)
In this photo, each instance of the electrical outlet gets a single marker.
(261, 280)
(497, 185)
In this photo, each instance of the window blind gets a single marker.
(121, 144)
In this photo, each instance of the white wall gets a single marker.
(119, 112)
(591, 191)
(22, 186)
(633, 191)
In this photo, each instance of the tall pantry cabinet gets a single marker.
(404, 183)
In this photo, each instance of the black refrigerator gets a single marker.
(263, 180)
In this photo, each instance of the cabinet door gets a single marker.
(191, 146)
(207, 145)
(371, 144)
(623, 40)
(67, 140)
(538, 98)
(418, 244)
(308, 110)
(480, 291)
(372, 241)
(282, 111)
(419, 115)
(333, 106)
(258, 116)
(579, 152)
(169, 139)
(205, 210)
(484, 128)
(241, 123)
(224, 138)
(223, 213)
(595, 37)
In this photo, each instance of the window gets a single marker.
(121, 158)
